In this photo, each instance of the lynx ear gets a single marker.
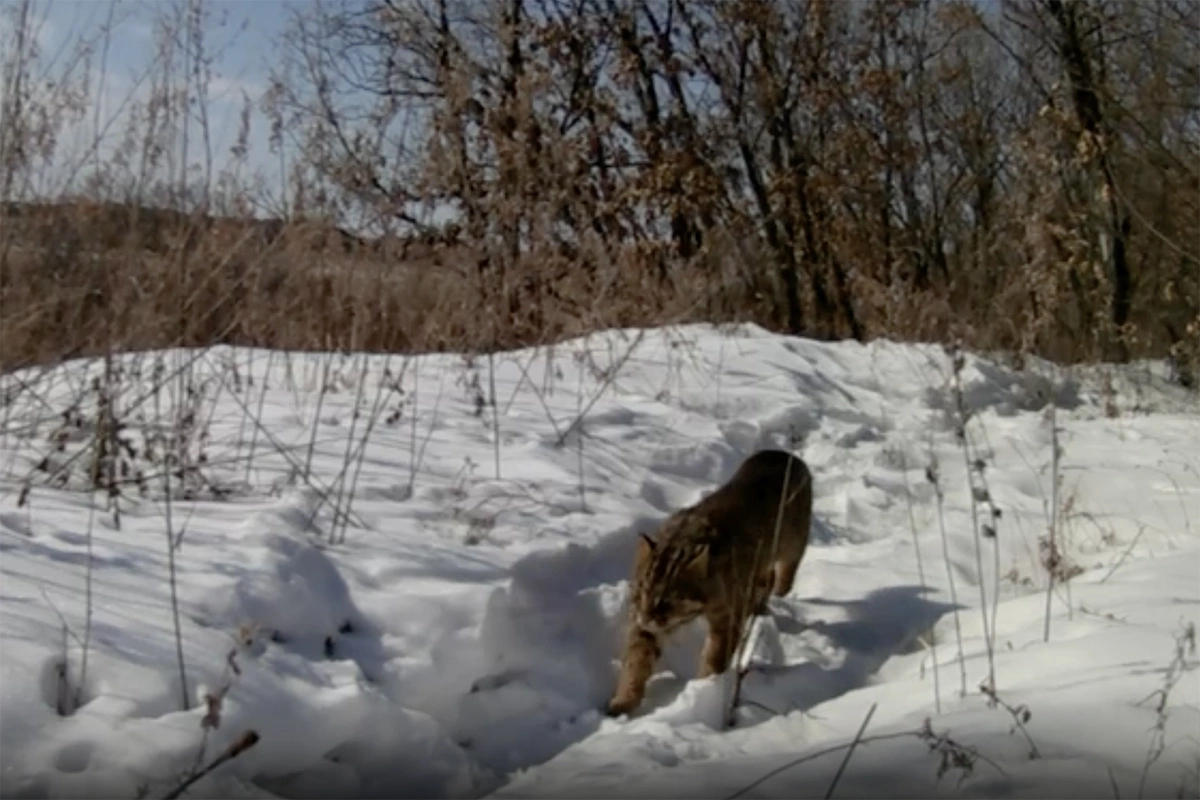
(645, 543)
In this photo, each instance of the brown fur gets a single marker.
(719, 558)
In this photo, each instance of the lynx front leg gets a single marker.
(762, 593)
(718, 647)
(637, 665)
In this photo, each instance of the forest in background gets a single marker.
(1020, 175)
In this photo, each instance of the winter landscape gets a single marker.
(249, 573)
(348, 348)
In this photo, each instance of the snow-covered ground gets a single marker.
(438, 612)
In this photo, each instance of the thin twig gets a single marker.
(346, 455)
(1054, 515)
(938, 742)
(316, 424)
(1124, 555)
(239, 746)
(171, 572)
(89, 605)
(362, 448)
(1020, 714)
(491, 359)
(795, 762)
(837, 776)
(912, 524)
(611, 376)
(957, 362)
(262, 397)
(931, 474)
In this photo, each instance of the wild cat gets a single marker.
(720, 558)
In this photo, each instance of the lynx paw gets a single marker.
(620, 705)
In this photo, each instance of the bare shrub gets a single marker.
(1018, 177)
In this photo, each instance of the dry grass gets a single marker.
(83, 279)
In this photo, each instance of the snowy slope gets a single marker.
(452, 630)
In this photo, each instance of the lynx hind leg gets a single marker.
(637, 665)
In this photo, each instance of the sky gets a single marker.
(239, 33)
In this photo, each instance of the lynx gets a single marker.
(719, 558)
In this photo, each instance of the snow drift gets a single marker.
(410, 584)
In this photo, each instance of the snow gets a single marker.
(453, 629)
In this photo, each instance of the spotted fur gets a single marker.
(720, 558)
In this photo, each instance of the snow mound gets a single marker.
(404, 591)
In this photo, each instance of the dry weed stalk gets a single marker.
(1020, 715)
(1182, 661)
(932, 475)
(952, 755)
(1052, 559)
(932, 643)
(979, 495)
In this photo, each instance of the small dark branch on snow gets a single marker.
(1112, 780)
(1181, 662)
(1020, 714)
(954, 755)
(239, 746)
(837, 776)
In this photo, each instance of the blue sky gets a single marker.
(239, 34)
